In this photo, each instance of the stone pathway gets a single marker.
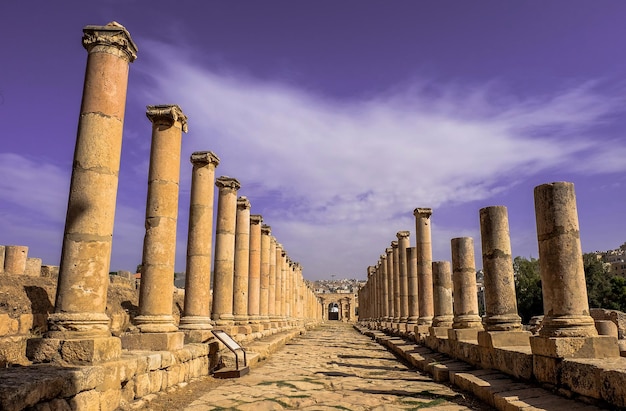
(333, 367)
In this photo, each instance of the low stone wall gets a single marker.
(598, 380)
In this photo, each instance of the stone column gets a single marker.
(467, 322)
(159, 245)
(403, 245)
(442, 299)
(242, 264)
(503, 327)
(2, 253)
(413, 303)
(197, 311)
(390, 287)
(283, 286)
(254, 279)
(79, 312)
(224, 262)
(424, 268)
(384, 286)
(264, 296)
(271, 300)
(15, 257)
(567, 329)
(396, 285)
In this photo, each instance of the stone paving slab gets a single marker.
(334, 368)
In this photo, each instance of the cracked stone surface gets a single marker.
(333, 368)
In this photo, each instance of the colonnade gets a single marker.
(446, 292)
(257, 287)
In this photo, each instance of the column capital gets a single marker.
(402, 234)
(423, 212)
(113, 38)
(167, 114)
(383, 257)
(204, 158)
(279, 246)
(227, 182)
(256, 219)
(370, 270)
(266, 229)
(394, 244)
(243, 203)
(389, 250)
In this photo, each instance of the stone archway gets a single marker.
(333, 311)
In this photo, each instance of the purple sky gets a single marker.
(338, 117)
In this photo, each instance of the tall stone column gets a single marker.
(424, 267)
(396, 284)
(272, 283)
(159, 245)
(390, 287)
(467, 322)
(197, 310)
(503, 327)
(264, 296)
(15, 257)
(224, 261)
(403, 245)
(442, 299)
(283, 286)
(242, 264)
(413, 292)
(567, 329)
(79, 311)
(279, 281)
(384, 289)
(254, 279)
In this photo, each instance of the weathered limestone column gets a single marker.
(424, 268)
(396, 284)
(372, 297)
(442, 299)
(2, 258)
(272, 283)
(242, 264)
(567, 330)
(390, 287)
(197, 310)
(384, 289)
(503, 327)
(15, 257)
(467, 322)
(79, 318)
(403, 245)
(224, 262)
(254, 279)
(159, 245)
(413, 303)
(283, 286)
(264, 296)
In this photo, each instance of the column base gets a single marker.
(169, 341)
(463, 334)
(500, 339)
(156, 323)
(602, 346)
(193, 322)
(78, 351)
(422, 329)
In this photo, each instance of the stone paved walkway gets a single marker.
(333, 368)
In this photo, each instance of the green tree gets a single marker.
(528, 288)
(599, 286)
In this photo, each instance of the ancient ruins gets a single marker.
(88, 341)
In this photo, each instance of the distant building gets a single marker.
(615, 259)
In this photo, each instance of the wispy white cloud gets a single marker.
(334, 170)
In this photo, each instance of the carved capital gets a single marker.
(423, 212)
(402, 234)
(256, 219)
(394, 244)
(243, 203)
(225, 182)
(383, 257)
(167, 114)
(266, 229)
(112, 38)
(389, 250)
(204, 158)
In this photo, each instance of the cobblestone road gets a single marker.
(333, 368)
